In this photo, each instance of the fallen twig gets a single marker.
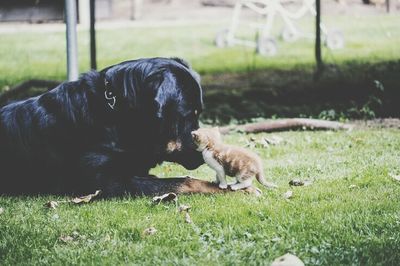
(287, 124)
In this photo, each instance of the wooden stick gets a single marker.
(287, 124)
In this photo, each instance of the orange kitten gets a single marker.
(229, 160)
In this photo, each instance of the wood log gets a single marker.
(287, 124)
(218, 3)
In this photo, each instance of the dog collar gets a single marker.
(111, 99)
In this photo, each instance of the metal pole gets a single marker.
(318, 55)
(390, 6)
(93, 63)
(72, 44)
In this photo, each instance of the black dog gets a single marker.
(104, 131)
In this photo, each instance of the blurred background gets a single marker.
(257, 59)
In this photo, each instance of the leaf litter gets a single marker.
(395, 177)
(168, 197)
(51, 204)
(187, 218)
(288, 194)
(298, 182)
(77, 200)
(85, 199)
(263, 142)
(73, 237)
(172, 197)
(149, 231)
(184, 208)
(287, 260)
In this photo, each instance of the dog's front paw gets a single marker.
(223, 186)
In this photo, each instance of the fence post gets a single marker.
(72, 44)
(93, 62)
(318, 56)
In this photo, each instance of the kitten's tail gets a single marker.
(260, 177)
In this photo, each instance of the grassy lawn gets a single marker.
(348, 216)
(25, 54)
(256, 86)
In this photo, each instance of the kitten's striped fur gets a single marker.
(229, 160)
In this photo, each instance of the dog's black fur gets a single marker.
(71, 141)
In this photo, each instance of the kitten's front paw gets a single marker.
(223, 186)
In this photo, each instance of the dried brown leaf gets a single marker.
(75, 234)
(85, 199)
(395, 177)
(288, 194)
(51, 204)
(272, 140)
(184, 208)
(149, 231)
(187, 218)
(296, 182)
(165, 198)
(287, 260)
(66, 239)
(276, 239)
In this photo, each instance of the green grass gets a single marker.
(238, 84)
(327, 223)
(25, 55)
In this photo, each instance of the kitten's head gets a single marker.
(206, 137)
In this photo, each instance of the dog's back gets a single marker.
(37, 142)
(16, 146)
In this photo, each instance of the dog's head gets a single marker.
(158, 101)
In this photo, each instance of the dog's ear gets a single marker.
(181, 61)
(164, 87)
(186, 64)
(129, 84)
